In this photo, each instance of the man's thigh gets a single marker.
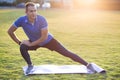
(54, 45)
(33, 47)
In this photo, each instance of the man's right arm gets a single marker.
(11, 33)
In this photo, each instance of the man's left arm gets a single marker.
(44, 35)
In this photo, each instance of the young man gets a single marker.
(36, 29)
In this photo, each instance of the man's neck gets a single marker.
(31, 20)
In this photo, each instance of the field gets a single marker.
(93, 35)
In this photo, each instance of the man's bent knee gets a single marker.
(23, 47)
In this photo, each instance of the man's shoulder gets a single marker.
(40, 17)
(22, 17)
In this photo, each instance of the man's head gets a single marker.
(31, 10)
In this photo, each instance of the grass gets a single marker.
(93, 35)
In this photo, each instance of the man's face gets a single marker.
(31, 12)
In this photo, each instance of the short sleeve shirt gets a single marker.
(33, 31)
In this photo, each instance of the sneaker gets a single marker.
(90, 68)
(29, 69)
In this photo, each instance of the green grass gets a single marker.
(95, 36)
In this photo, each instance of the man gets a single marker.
(36, 29)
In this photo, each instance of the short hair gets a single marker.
(29, 4)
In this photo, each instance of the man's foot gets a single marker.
(29, 69)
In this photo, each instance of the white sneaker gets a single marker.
(95, 68)
(90, 68)
(29, 69)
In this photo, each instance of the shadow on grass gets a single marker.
(65, 77)
(97, 76)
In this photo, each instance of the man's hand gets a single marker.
(26, 42)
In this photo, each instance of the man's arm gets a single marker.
(11, 33)
(44, 35)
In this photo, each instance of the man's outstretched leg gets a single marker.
(56, 46)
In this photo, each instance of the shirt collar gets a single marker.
(27, 21)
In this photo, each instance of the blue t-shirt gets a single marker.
(33, 31)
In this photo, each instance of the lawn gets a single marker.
(93, 35)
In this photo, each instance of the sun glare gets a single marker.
(88, 2)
